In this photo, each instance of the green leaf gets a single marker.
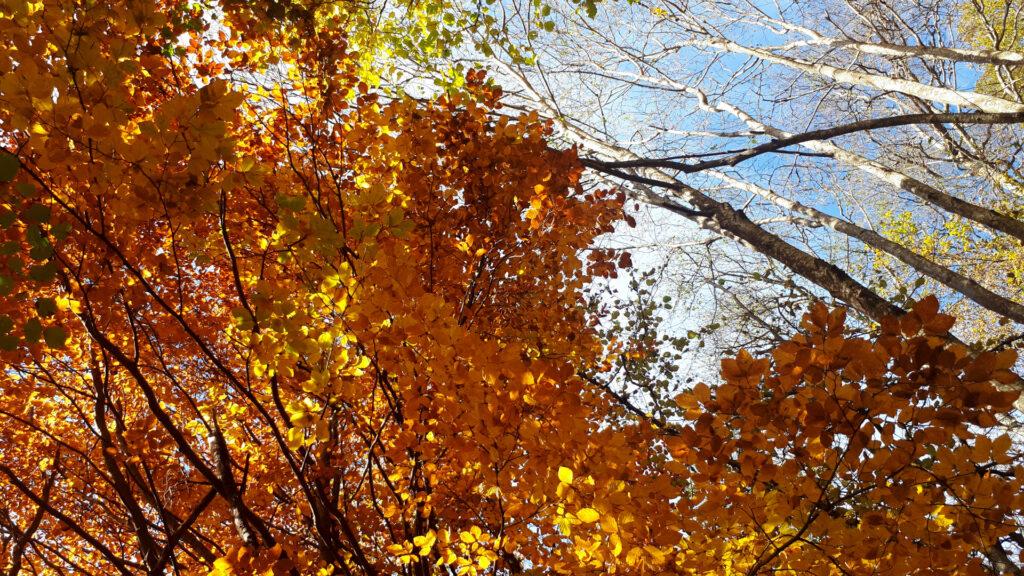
(33, 330)
(8, 166)
(34, 234)
(46, 307)
(403, 229)
(37, 213)
(7, 218)
(291, 203)
(43, 272)
(396, 216)
(6, 324)
(15, 265)
(41, 251)
(55, 336)
(60, 231)
(8, 342)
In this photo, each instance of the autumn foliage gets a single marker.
(257, 319)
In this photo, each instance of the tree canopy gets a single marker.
(258, 316)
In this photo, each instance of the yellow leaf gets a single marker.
(588, 515)
(295, 438)
(609, 525)
(616, 543)
(564, 475)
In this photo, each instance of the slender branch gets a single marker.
(123, 566)
(825, 134)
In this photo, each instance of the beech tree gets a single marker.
(257, 319)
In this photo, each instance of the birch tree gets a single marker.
(851, 146)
